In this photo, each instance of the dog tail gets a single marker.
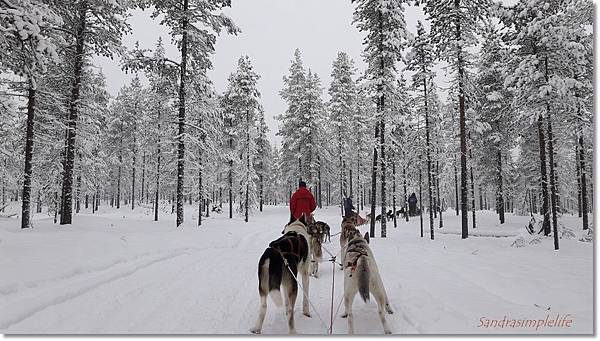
(362, 276)
(275, 275)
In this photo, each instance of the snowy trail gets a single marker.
(140, 277)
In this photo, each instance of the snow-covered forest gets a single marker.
(483, 110)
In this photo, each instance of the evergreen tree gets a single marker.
(420, 60)
(26, 47)
(243, 99)
(453, 27)
(187, 20)
(384, 23)
(96, 27)
(341, 109)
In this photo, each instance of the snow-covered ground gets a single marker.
(120, 272)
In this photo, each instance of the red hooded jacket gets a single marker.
(302, 202)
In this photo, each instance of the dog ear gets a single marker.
(367, 236)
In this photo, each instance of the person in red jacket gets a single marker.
(302, 202)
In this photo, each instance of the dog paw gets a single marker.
(388, 332)
(307, 314)
(255, 331)
(344, 315)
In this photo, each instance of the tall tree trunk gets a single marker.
(481, 207)
(463, 136)
(420, 198)
(56, 204)
(39, 202)
(341, 179)
(26, 208)
(67, 182)
(373, 184)
(360, 189)
(3, 195)
(584, 199)
(428, 156)
(350, 178)
(405, 194)
(553, 190)
(181, 116)
(437, 187)
(455, 188)
(472, 181)
(500, 193)
(261, 190)
(133, 164)
(78, 186)
(320, 188)
(231, 189)
(434, 181)
(158, 155)
(246, 203)
(473, 197)
(143, 175)
(394, 192)
(200, 196)
(381, 112)
(383, 173)
(577, 166)
(544, 179)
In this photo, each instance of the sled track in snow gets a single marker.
(48, 298)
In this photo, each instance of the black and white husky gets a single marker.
(294, 248)
(362, 275)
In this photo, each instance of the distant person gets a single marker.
(412, 205)
(302, 202)
(348, 207)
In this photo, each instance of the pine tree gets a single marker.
(341, 109)
(263, 161)
(420, 60)
(187, 19)
(26, 48)
(453, 24)
(494, 105)
(384, 23)
(546, 37)
(97, 27)
(243, 99)
(302, 126)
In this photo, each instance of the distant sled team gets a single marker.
(299, 251)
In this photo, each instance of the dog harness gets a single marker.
(286, 245)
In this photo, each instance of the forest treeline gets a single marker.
(512, 131)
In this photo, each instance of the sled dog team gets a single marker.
(298, 250)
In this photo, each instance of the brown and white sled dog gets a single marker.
(316, 247)
(348, 230)
(362, 275)
(273, 274)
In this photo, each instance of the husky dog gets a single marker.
(390, 215)
(325, 231)
(315, 242)
(316, 250)
(362, 275)
(348, 230)
(292, 248)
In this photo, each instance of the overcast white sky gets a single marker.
(271, 31)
